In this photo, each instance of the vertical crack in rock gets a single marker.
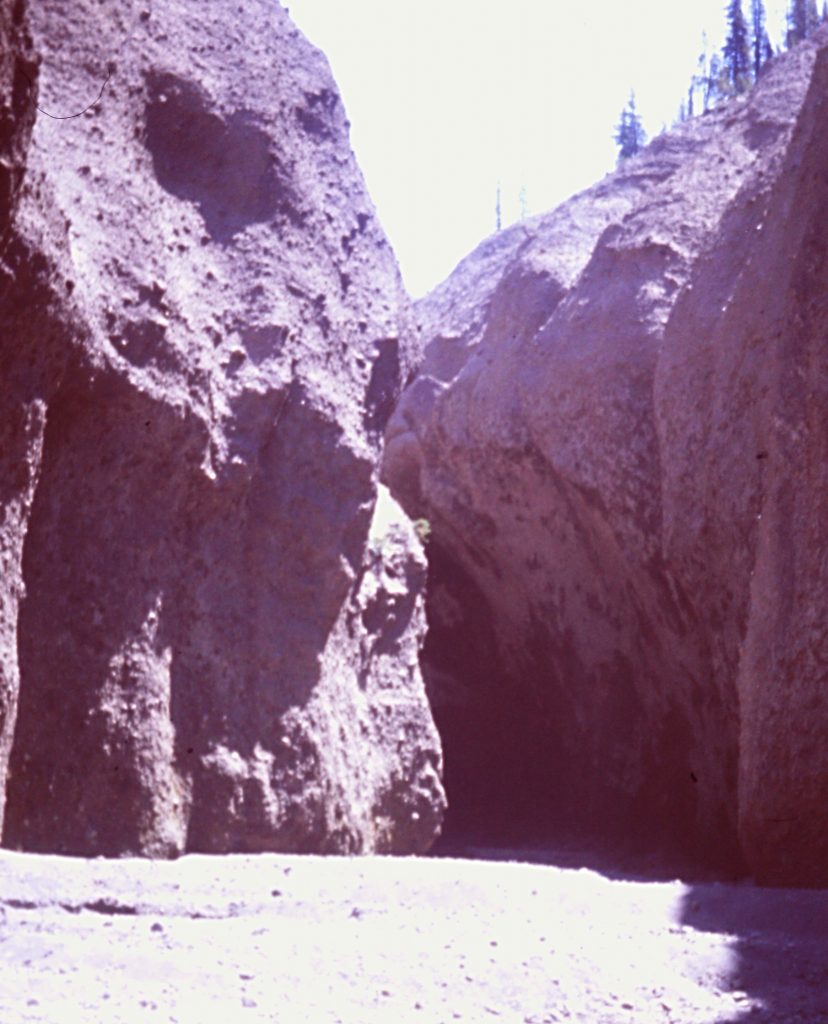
(383, 385)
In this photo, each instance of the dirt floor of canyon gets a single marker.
(428, 940)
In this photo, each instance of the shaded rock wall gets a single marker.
(33, 300)
(18, 74)
(211, 654)
(615, 436)
(15, 129)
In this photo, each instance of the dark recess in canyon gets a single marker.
(617, 438)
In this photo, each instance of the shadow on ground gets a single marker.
(780, 946)
(780, 936)
(620, 860)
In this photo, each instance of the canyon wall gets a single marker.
(618, 438)
(21, 423)
(213, 637)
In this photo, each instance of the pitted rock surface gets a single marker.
(616, 439)
(211, 653)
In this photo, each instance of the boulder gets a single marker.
(617, 438)
(213, 653)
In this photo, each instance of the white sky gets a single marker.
(448, 97)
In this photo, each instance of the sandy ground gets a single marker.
(280, 938)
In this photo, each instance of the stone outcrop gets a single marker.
(204, 333)
(618, 438)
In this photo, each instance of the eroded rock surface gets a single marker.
(211, 654)
(617, 438)
(32, 299)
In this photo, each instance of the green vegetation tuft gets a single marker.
(422, 527)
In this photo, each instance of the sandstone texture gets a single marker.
(203, 334)
(618, 436)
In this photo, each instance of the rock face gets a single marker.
(204, 334)
(21, 422)
(618, 437)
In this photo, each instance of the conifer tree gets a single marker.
(630, 136)
(803, 18)
(736, 51)
(761, 47)
(796, 23)
(714, 82)
(709, 82)
(699, 81)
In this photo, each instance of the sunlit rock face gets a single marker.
(204, 336)
(618, 437)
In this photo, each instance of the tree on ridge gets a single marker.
(803, 18)
(736, 50)
(761, 47)
(630, 136)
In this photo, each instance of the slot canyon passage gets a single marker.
(617, 438)
(303, 581)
